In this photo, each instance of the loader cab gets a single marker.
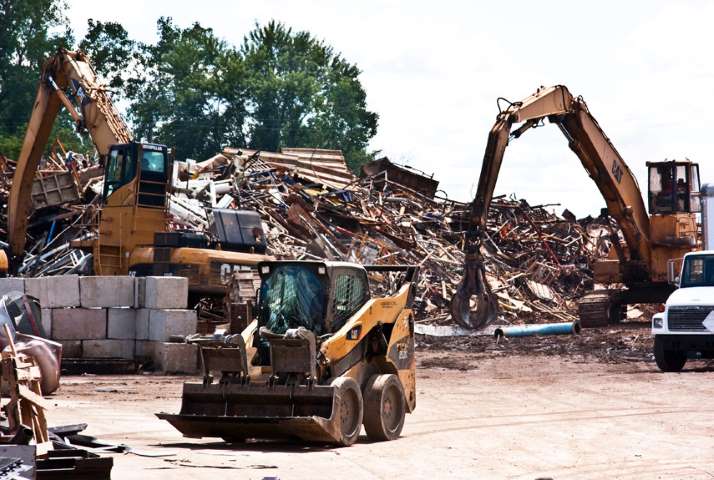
(673, 187)
(143, 165)
(319, 296)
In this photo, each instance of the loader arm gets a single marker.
(604, 165)
(90, 107)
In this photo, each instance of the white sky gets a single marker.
(433, 71)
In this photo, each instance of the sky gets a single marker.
(433, 72)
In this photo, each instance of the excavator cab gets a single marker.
(136, 182)
(673, 187)
(147, 162)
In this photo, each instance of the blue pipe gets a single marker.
(52, 232)
(542, 329)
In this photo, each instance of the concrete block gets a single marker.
(165, 323)
(35, 288)
(102, 291)
(165, 292)
(121, 323)
(145, 349)
(176, 357)
(71, 348)
(142, 323)
(11, 284)
(54, 292)
(47, 321)
(79, 323)
(108, 349)
(139, 291)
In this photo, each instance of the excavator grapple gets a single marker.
(322, 359)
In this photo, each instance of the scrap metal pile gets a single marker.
(65, 201)
(313, 207)
(537, 262)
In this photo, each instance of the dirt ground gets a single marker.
(531, 408)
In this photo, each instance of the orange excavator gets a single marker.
(133, 229)
(668, 232)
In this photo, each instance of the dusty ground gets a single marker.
(559, 412)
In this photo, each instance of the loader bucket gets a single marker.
(237, 412)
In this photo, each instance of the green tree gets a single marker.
(30, 30)
(303, 94)
(111, 50)
(190, 93)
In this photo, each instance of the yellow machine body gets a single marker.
(316, 385)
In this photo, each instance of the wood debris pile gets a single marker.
(537, 263)
(65, 197)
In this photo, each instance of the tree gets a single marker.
(301, 93)
(30, 30)
(111, 51)
(190, 93)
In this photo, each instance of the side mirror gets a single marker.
(673, 271)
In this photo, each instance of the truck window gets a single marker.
(698, 271)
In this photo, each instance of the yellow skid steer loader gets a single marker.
(321, 359)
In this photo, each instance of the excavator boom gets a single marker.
(64, 72)
(604, 165)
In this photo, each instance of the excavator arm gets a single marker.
(90, 107)
(599, 157)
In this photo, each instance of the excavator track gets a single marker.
(600, 308)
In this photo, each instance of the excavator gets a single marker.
(133, 226)
(651, 241)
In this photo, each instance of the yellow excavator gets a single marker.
(668, 232)
(322, 358)
(133, 228)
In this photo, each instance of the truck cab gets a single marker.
(686, 326)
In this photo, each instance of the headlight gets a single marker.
(657, 322)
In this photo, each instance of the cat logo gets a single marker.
(227, 271)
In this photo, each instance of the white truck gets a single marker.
(686, 326)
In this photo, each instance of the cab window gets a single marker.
(351, 293)
(152, 161)
(120, 170)
(673, 188)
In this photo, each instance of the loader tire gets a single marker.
(351, 409)
(234, 439)
(384, 407)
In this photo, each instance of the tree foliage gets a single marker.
(190, 89)
(30, 30)
(189, 92)
(301, 93)
(111, 50)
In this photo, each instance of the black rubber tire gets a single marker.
(384, 407)
(668, 360)
(234, 439)
(351, 409)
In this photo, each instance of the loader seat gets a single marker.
(231, 361)
(294, 353)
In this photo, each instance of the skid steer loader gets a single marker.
(321, 359)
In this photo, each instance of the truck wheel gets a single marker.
(351, 409)
(668, 360)
(385, 407)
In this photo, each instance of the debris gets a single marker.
(312, 208)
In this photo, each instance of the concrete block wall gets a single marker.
(122, 316)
